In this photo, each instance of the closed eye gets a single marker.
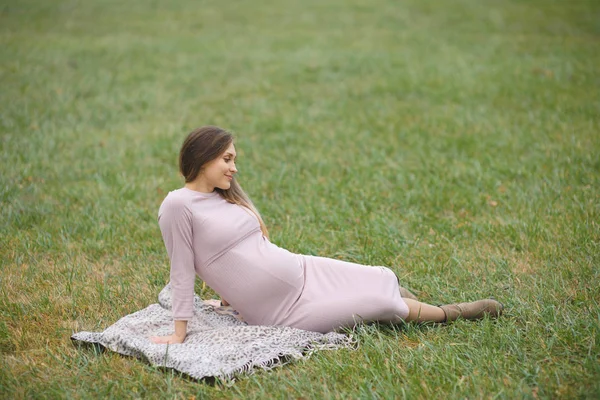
(228, 157)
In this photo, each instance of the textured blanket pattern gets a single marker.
(217, 345)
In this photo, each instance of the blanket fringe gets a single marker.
(349, 342)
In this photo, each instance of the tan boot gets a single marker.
(405, 293)
(474, 310)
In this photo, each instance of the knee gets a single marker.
(399, 309)
(392, 310)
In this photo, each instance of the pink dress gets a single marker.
(222, 243)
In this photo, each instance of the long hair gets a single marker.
(206, 144)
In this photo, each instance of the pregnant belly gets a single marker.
(259, 279)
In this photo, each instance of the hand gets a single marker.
(171, 339)
(213, 302)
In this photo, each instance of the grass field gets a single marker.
(457, 142)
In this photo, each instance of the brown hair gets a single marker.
(206, 144)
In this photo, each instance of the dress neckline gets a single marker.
(200, 194)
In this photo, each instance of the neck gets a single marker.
(199, 187)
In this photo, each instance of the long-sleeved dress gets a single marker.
(222, 243)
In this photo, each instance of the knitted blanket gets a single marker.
(217, 344)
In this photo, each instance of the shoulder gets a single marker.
(177, 203)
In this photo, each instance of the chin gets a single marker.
(225, 186)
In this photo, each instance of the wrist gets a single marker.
(180, 330)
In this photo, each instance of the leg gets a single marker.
(474, 310)
(404, 292)
(423, 312)
(407, 294)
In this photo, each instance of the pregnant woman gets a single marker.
(211, 229)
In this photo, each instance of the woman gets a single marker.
(211, 229)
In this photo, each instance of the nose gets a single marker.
(233, 169)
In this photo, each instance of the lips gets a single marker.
(229, 177)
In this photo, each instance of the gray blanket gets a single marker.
(217, 345)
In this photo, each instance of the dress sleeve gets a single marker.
(175, 221)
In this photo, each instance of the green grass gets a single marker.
(456, 142)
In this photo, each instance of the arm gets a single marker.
(222, 301)
(175, 220)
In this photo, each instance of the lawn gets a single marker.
(457, 142)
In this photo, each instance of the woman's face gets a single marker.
(219, 172)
